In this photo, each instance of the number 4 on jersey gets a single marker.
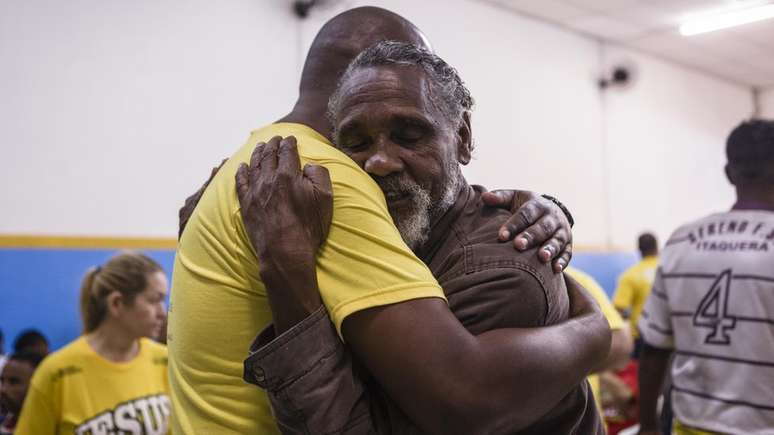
(713, 311)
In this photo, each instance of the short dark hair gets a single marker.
(750, 152)
(647, 244)
(31, 358)
(28, 338)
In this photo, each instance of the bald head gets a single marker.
(343, 37)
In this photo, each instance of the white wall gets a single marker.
(767, 104)
(112, 111)
(116, 110)
(666, 146)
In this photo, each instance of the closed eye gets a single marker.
(354, 144)
(408, 131)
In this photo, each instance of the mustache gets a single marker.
(395, 183)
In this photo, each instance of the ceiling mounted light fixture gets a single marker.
(710, 23)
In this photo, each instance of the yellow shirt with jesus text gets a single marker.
(77, 391)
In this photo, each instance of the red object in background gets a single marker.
(618, 421)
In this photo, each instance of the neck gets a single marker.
(754, 198)
(113, 342)
(310, 110)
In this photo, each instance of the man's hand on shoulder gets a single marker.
(536, 221)
(287, 212)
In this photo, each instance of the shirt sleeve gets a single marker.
(655, 323)
(310, 379)
(38, 416)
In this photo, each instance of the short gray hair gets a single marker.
(448, 90)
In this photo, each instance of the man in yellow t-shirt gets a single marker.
(218, 301)
(621, 343)
(635, 283)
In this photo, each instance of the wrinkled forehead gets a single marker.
(386, 88)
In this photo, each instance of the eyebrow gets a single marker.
(413, 121)
(349, 127)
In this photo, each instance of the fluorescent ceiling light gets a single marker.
(729, 19)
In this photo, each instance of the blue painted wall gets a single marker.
(39, 287)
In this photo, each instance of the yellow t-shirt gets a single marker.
(614, 319)
(634, 288)
(77, 391)
(219, 304)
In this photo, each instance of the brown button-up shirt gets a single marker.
(315, 386)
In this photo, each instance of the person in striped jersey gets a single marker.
(712, 306)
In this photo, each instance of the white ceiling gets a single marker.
(743, 54)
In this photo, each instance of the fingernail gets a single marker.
(521, 243)
(504, 234)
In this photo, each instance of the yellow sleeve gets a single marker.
(596, 291)
(364, 262)
(39, 415)
(624, 294)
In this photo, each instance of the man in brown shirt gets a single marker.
(391, 115)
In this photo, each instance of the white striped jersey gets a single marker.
(712, 302)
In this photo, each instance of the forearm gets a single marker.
(654, 363)
(559, 356)
(292, 290)
(334, 398)
(531, 370)
(500, 381)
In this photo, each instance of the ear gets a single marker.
(730, 174)
(464, 140)
(114, 303)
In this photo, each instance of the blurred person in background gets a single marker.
(112, 379)
(712, 306)
(621, 343)
(33, 341)
(634, 285)
(14, 381)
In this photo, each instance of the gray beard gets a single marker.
(414, 223)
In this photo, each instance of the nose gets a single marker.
(385, 160)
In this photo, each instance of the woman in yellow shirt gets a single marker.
(112, 379)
